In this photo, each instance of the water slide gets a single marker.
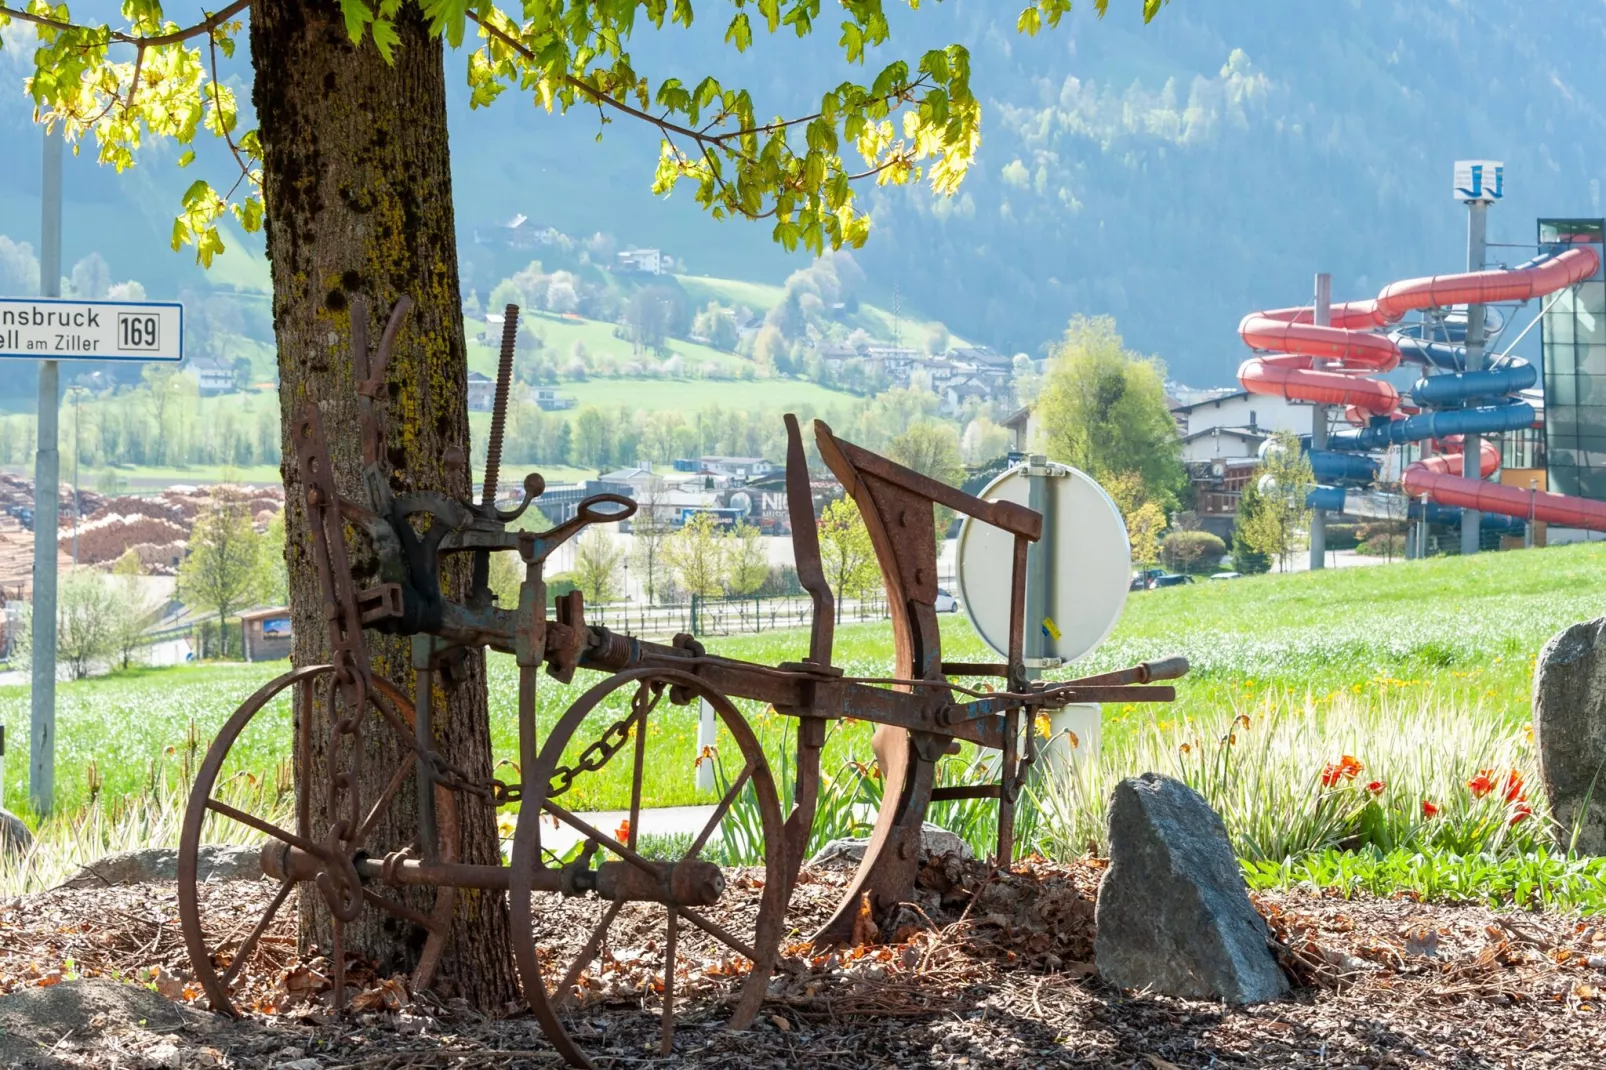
(1444, 407)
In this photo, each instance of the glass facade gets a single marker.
(1573, 346)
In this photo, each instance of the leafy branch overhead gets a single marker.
(911, 121)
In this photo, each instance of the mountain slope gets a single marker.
(1175, 176)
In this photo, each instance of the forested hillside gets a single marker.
(1175, 175)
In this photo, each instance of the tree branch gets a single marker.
(211, 23)
(700, 136)
(217, 105)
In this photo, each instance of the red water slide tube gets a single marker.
(1352, 349)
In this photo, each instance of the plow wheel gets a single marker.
(233, 806)
(655, 914)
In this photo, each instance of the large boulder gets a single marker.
(15, 837)
(214, 862)
(934, 840)
(1570, 731)
(1173, 915)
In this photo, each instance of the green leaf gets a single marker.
(187, 158)
(357, 15)
(386, 39)
(197, 194)
(739, 34)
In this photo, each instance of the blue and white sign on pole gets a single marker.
(1480, 180)
(44, 328)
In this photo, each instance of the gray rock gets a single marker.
(215, 862)
(38, 1025)
(934, 840)
(1570, 731)
(15, 838)
(1173, 915)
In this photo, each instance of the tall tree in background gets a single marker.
(1246, 557)
(597, 559)
(648, 530)
(1103, 409)
(135, 611)
(932, 449)
(349, 171)
(1272, 525)
(747, 561)
(846, 553)
(696, 555)
(86, 612)
(222, 572)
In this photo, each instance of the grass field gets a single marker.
(560, 333)
(1456, 632)
(1423, 670)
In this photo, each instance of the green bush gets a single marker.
(1189, 550)
(1344, 535)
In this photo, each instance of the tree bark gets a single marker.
(357, 191)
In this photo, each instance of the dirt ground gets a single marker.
(982, 970)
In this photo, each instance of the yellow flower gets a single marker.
(1044, 727)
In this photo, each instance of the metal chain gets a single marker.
(614, 737)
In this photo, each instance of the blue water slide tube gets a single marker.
(1485, 419)
(1510, 378)
(1330, 467)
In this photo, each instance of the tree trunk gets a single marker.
(357, 187)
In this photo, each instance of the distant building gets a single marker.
(267, 634)
(481, 392)
(1257, 412)
(517, 233)
(1223, 443)
(642, 262)
(211, 376)
(549, 400)
(745, 469)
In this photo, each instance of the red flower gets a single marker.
(1520, 812)
(622, 833)
(1482, 784)
(1514, 792)
(1375, 787)
(1429, 810)
(1346, 769)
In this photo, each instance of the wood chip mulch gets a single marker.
(980, 970)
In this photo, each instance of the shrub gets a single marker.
(1188, 550)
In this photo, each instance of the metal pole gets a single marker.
(1533, 503)
(1321, 316)
(77, 506)
(47, 487)
(1472, 445)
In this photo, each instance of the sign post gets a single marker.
(50, 330)
(46, 488)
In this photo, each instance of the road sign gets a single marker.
(42, 328)
(1088, 565)
(1480, 180)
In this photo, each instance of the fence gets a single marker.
(726, 616)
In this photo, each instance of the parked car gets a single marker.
(1143, 579)
(1225, 575)
(1169, 580)
(946, 603)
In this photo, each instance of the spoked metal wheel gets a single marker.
(235, 808)
(629, 919)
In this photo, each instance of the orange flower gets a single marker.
(1521, 812)
(1348, 768)
(1482, 784)
(1429, 810)
(1185, 748)
(622, 833)
(1514, 792)
(1375, 787)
